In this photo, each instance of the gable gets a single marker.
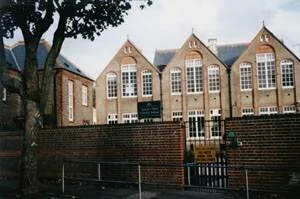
(127, 54)
(192, 48)
(265, 42)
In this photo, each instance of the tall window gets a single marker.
(112, 118)
(287, 71)
(196, 124)
(129, 80)
(213, 79)
(215, 123)
(177, 116)
(176, 81)
(70, 101)
(268, 110)
(84, 97)
(194, 75)
(130, 118)
(4, 95)
(266, 70)
(245, 76)
(147, 83)
(111, 85)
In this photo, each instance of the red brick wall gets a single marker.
(159, 143)
(270, 148)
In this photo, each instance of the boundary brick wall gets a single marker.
(148, 144)
(270, 149)
(10, 145)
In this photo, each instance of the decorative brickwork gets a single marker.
(270, 149)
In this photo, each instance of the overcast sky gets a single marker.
(168, 23)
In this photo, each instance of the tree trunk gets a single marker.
(28, 181)
(47, 95)
(2, 55)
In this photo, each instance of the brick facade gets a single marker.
(255, 98)
(56, 113)
(83, 114)
(188, 77)
(148, 144)
(270, 150)
(119, 104)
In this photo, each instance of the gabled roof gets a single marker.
(264, 28)
(226, 53)
(128, 42)
(16, 57)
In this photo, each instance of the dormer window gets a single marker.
(127, 50)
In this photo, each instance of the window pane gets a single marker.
(266, 70)
(194, 75)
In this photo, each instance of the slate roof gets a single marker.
(18, 51)
(163, 57)
(227, 53)
(230, 53)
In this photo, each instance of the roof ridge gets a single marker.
(235, 44)
(166, 50)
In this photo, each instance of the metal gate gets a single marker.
(212, 175)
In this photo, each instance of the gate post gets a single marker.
(63, 178)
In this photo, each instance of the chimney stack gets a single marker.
(212, 45)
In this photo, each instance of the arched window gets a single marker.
(175, 81)
(129, 85)
(111, 79)
(287, 73)
(147, 83)
(213, 79)
(266, 70)
(245, 76)
(194, 75)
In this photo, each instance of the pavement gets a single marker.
(8, 190)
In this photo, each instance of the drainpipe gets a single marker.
(55, 98)
(161, 96)
(229, 91)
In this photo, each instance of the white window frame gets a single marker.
(175, 79)
(247, 111)
(128, 118)
(246, 77)
(177, 116)
(287, 73)
(266, 71)
(84, 97)
(215, 123)
(111, 83)
(112, 118)
(147, 83)
(4, 97)
(213, 79)
(70, 100)
(129, 83)
(196, 125)
(194, 76)
(268, 110)
(289, 109)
